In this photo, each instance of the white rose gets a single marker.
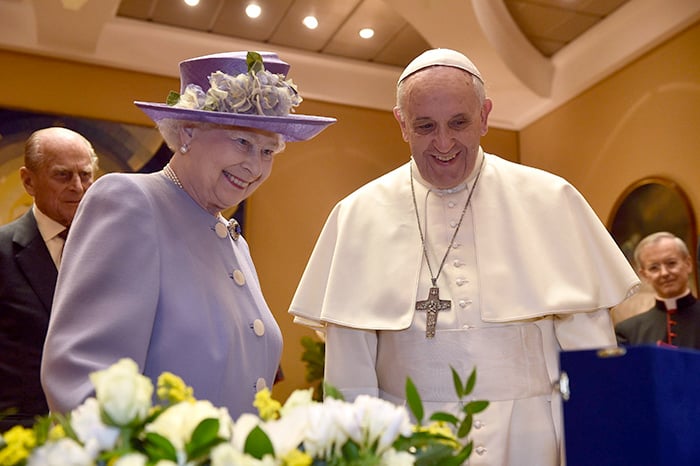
(329, 427)
(179, 421)
(91, 431)
(392, 457)
(132, 459)
(226, 455)
(381, 421)
(64, 452)
(296, 399)
(123, 392)
(289, 431)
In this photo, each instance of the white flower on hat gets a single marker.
(257, 92)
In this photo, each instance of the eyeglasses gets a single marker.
(670, 265)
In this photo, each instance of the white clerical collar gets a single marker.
(671, 303)
(455, 189)
(47, 226)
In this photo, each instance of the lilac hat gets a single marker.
(243, 89)
(440, 57)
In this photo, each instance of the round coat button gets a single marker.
(258, 327)
(260, 384)
(238, 277)
(221, 230)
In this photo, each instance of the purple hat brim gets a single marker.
(291, 127)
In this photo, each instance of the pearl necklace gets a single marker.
(170, 174)
(232, 226)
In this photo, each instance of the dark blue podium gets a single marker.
(637, 406)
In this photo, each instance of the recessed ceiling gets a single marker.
(395, 41)
(549, 25)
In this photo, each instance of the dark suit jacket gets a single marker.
(27, 283)
(650, 326)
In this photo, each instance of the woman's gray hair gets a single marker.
(170, 130)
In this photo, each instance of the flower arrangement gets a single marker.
(121, 427)
(257, 92)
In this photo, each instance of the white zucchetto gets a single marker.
(440, 57)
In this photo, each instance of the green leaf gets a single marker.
(433, 454)
(258, 444)
(470, 383)
(465, 426)
(159, 448)
(461, 457)
(444, 417)
(351, 451)
(204, 437)
(329, 391)
(173, 98)
(414, 401)
(254, 61)
(457, 380)
(476, 406)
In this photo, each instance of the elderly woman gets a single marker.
(152, 270)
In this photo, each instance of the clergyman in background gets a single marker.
(664, 262)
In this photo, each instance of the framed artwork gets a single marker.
(119, 147)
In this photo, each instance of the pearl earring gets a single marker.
(185, 148)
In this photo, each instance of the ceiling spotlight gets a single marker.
(366, 33)
(253, 10)
(192, 2)
(310, 22)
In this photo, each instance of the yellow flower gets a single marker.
(20, 442)
(172, 389)
(439, 429)
(297, 458)
(268, 408)
(56, 432)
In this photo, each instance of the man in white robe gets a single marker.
(527, 267)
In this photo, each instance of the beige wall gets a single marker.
(642, 121)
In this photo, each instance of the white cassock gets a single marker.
(531, 271)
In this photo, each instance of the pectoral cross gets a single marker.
(432, 306)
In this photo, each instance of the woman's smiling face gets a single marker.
(226, 165)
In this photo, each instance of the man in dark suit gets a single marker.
(663, 260)
(59, 165)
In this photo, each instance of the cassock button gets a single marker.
(461, 281)
(450, 204)
(258, 327)
(453, 224)
(260, 384)
(478, 424)
(238, 277)
(480, 450)
(457, 263)
(221, 230)
(463, 303)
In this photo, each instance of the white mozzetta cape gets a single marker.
(540, 250)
